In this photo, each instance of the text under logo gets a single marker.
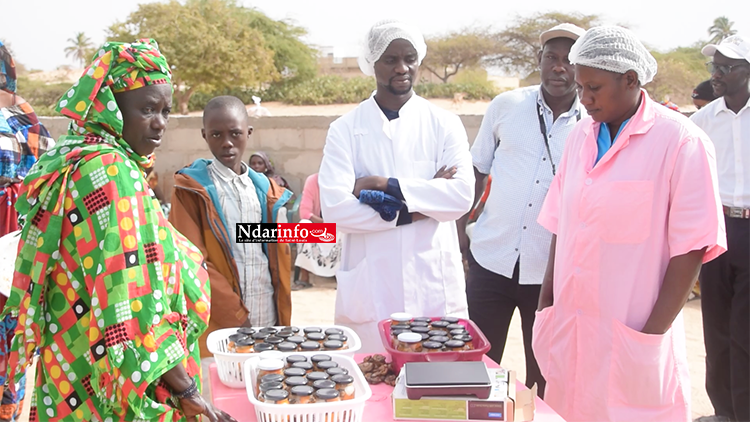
(286, 233)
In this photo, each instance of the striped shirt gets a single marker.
(240, 204)
(510, 147)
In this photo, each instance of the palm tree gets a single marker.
(721, 29)
(79, 48)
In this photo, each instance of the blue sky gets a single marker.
(38, 29)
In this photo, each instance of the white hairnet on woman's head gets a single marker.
(380, 37)
(614, 49)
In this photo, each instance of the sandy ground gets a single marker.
(315, 307)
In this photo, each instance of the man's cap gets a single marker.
(563, 30)
(734, 47)
(704, 91)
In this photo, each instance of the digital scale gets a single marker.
(446, 379)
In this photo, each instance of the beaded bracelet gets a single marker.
(189, 392)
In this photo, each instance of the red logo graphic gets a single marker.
(306, 233)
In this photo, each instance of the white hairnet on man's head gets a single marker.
(614, 49)
(380, 37)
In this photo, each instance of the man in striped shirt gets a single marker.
(520, 144)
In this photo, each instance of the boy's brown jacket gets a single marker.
(195, 213)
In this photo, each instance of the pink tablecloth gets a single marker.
(378, 409)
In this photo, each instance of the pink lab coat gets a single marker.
(653, 196)
(310, 203)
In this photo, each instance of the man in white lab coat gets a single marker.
(398, 143)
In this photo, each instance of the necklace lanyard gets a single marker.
(543, 129)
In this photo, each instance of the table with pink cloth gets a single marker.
(378, 409)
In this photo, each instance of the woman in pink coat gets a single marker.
(635, 210)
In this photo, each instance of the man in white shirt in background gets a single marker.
(398, 143)
(725, 281)
(519, 143)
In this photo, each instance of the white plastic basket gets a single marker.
(342, 411)
(229, 365)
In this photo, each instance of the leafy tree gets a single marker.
(80, 48)
(207, 42)
(447, 54)
(521, 38)
(293, 59)
(721, 29)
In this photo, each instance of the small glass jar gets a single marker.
(294, 372)
(245, 345)
(315, 359)
(307, 366)
(319, 337)
(452, 327)
(276, 397)
(420, 330)
(439, 339)
(248, 331)
(272, 378)
(325, 365)
(419, 324)
(332, 372)
(274, 340)
(437, 333)
(326, 395)
(271, 354)
(339, 337)
(260, 337)
(400, 318)
(292, 359)
(333, 345)
(458, 332)
(409, 342)
(432, 346)
(295, 330)
(334, 331)
(396, 327)
(424, 336)
(286, 347)
(308, 330)
(269, 367)
(301, 394)
(322, 384)
(450, 319)
(309, 346)
(467, 339)
(266, 386)
(345, 385)
(269, 330)
(316, 376)
(263, 347)
(440, 325)
(296, 339)
(454, 345)
(284, 334)
(232, 340)
(425, 319)
(292, 382)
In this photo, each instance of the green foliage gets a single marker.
(43, 97)
(80, 48)
(679, 71)
(293, 59)
(207, 42)
(721, 29)
(447, 54)
(330, 89)
(471, 90)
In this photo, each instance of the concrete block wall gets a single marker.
(294, 144)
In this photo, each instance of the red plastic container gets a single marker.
(398, 359)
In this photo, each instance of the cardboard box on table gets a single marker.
(513, 406)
